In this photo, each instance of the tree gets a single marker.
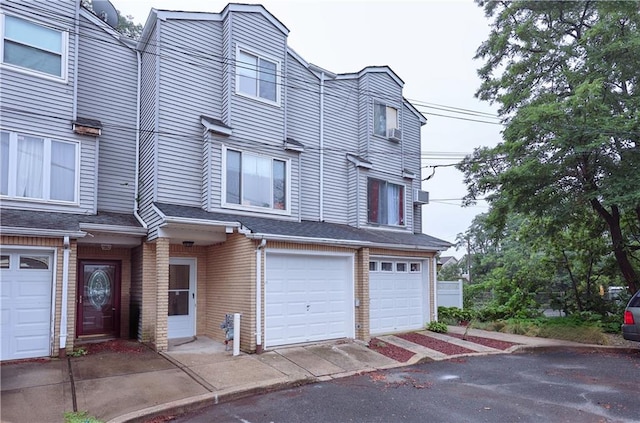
(565, 75)
(126, 25)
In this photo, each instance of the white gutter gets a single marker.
(321, 189)
(65, 293)
(48, 233)
(259, 249)
(136, 187)
(115, 229)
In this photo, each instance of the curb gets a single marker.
(196, 403)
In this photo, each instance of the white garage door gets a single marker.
(308, 298)
(25, 294)
(398, 295)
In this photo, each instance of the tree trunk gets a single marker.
(574, 284)
(619, 251)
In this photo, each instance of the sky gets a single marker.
(430, 44)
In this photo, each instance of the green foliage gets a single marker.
(78, 352)
(455, 315)
(79, 417)
(438, 327)
(568, 90)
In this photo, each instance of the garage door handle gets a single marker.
(308, 306)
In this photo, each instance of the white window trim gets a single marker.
(377, 269)
(386, 105)
(404, 205)
(64, 53)
(233, 206)
(46, 188)
(406, 267)
(393, 267)
(240, 48)
(419, 265)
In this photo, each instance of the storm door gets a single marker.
(182, 298)
(98, 298)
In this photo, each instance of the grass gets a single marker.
(80, 417)
(566, 328)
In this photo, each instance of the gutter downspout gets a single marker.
(65, 293)
(137, 175)
(75, 61)
(259, 249)
(434, 276)
(321, 189)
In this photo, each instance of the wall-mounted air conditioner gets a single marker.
(421, 197)
(394, 134)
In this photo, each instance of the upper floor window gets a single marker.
(257, 76)
(385, 202)
(384, 118)
(33, 167)
(33, 47)
(256, 181)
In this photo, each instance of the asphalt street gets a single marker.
(554, 386)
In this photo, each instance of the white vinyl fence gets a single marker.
(450, 294)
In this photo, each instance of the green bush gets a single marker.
(438, 327)
(80, 417)
(455, 315)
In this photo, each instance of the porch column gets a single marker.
(148, 293)
(362, 294)
(162, 288)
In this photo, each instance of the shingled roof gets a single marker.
(311, 230)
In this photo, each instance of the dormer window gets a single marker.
(32, 47)
(257, 76)
(385, 119)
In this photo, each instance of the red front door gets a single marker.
(98, 298)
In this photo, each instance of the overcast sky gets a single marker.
(429, 44)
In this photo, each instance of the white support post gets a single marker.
(236, 334)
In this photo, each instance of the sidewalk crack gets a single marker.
(73, 385)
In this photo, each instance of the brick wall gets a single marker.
(231, 288)
(162, 287)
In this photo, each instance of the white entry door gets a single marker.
(25, 290)
(182, 298)
(308, 298)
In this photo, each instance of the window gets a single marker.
(257, 76)
(386, 266)
(384, 118)
(415, 267)
(373, 266)
(401, 267)
(34, 262)
(38, 168)
(35, 47)
(5, 262)
(385, 202)
(256, 181)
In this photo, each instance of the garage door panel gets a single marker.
(25, 308)
(312, 300)
(397, 300)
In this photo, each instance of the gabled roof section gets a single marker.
(423, 119)
(215, 125)
(373, 69)
(164, 15)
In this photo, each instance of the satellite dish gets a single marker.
(105, 11)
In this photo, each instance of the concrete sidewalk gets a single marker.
(120, 386)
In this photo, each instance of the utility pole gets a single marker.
(469, 258)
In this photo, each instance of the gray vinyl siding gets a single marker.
(46, 107)
(341, 136)
(411, 139)
(107, 90)
(148, 128)
(385, 155)
(227, 70)
(190, 86)
(207, 170)
(365, 117)
(303, 125)
(252, 119)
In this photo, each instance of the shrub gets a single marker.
(438, 327)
